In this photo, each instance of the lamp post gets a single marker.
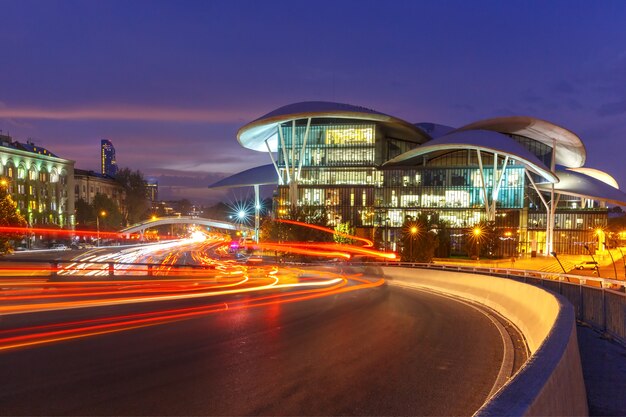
(387, 238)
(621, 253)
(559, 261)
(594, 259)
(103, 214)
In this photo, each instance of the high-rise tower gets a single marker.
(107, 158)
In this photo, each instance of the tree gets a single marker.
(85, 213)
(343, 228)
(135, 200)
(483, 240)
(277, 231)
(9, 217)
(112, 218)
(419, 239)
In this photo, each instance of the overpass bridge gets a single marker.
(161, 221)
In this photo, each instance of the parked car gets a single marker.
(586, 265)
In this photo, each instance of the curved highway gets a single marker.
(376, 351)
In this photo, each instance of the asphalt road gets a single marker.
(382, 351)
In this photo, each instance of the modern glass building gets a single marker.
(107, 157)
(375, 171)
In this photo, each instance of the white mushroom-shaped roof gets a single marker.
(580, 185)
(254, 134)
(261, 175)
(597, 174)
(482, 140)
(570, 151)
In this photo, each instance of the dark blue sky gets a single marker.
(169, 83)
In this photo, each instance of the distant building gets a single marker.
(107, 157)
(41, 183)
(152, 190)
(353, 164)
(88, 183)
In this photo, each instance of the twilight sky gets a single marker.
(170, 82)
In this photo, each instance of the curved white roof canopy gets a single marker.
(570, 151)
(597, 174)
(261, 175)
(482, 140)
(254, 134)
(580, 185)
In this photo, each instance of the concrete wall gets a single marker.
(551, 382)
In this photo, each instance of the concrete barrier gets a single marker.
(551, 382)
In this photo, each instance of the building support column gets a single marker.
(257, 212)
(306, 136)
(484, 186)
(282, 143)
(269, 151)
(545, 203)
(495, 195)
(553, 203)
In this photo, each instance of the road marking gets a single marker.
(506, 366)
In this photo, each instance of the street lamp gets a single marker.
(413, 231)
(621, 253)
(557, 259)
(103, 214)
(594, 259)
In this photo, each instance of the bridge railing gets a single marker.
(65, 269)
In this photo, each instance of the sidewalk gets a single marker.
(603, 361)
(604, 370)
(545, 263)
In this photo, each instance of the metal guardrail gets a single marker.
(54, 267)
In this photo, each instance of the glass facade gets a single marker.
(339, 170)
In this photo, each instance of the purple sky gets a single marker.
(169, 83)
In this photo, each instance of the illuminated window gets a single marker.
(350, 136)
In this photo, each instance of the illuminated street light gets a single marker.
(413, 231)
(477, 231)
(241, 214)
(103, 214)
(594, 260)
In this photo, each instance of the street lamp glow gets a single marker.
(241, 214)
(413, 230)
(477, 231)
